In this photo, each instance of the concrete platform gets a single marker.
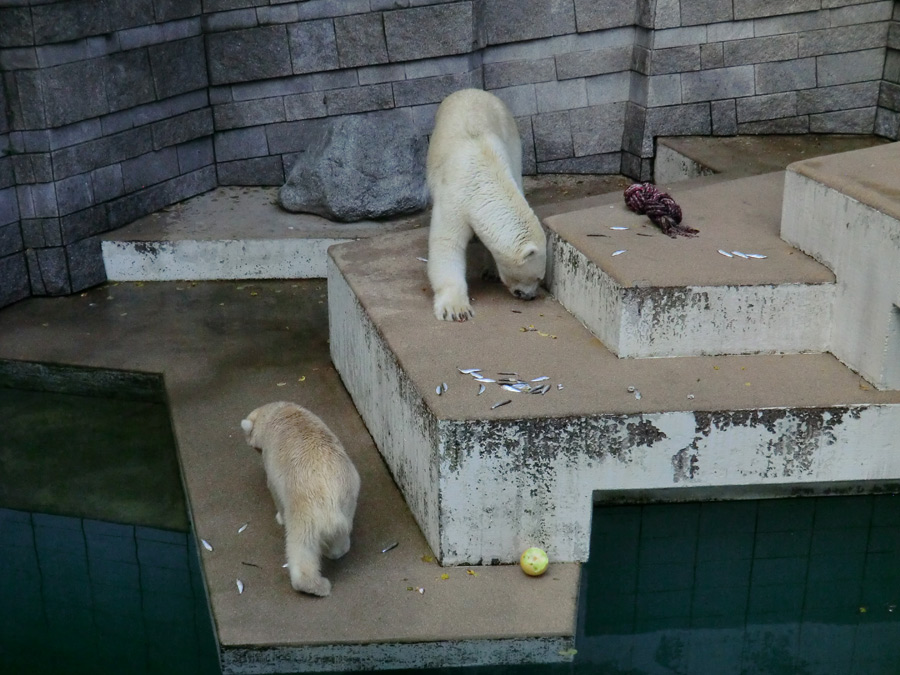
(845, 212)
(223, 349)
(484, 483)
(647, 295)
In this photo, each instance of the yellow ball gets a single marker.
(534, 562)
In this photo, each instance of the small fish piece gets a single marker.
(480, 390)
(541, 378)
(422, 259)
(421, 591)
(439, 390)
(740, 255)
(543, 389)
(511, 374)
(485, 380)
(630, 389)
(690, 397)
(619, 252)
(618, 227)
(511, 388)
(637, 395)
(243, 527)
(757, 256)
(206, 545)
(285, 565)
(597, 235)
(559, 387)
(468, 371)
(391, 546)
(500, 403)
(240, 586)
(725, 253)
(444, 386)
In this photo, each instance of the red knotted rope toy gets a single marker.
(659, 207)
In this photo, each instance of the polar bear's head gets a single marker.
(523, 271)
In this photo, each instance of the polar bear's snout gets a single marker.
(525, 295)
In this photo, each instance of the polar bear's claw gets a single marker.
(453, 307)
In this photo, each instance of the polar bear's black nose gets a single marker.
(522, 295)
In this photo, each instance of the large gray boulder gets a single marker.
(358, 167)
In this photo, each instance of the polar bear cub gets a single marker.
(313, 483)
(474, 173)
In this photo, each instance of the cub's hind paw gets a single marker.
(452, 307)
(314, 586)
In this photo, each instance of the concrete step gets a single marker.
(484, 483)
(844, 210)
(231, 233)
(681, 297)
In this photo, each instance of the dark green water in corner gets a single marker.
(99, 572)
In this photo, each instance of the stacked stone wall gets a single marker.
(117, 108)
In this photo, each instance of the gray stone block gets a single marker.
(856, 14)
(521, 99)
(277, 14)
(663, 90)
(138, 204)
(640, 60)
(48, 271)
(789, 23)
(182, 128)
(25, 99)
(679, 37)
(241, 144)
(41, 232)
(257, 171)
(101, 152)
(149, 169)
(518, 20)
(357, 167)
(844, 39)
(513, 73)
(64, 21)
(226, 5)
(760, 50)
(665, 14)
(724, 118)
(633, 134)
(591, 15)
(220, 95)
(10, 240)
(610, 88)
(712, 55)
(360, 40)
(428, 32)
(338, 79)
(74, 194)
(14, 284)
(64, 108)
(379, 5)
(169, 10)
(529, 163)
(292, 136)
(85, 261)
(680, 120)
(322, 9)
(732, 30)
(433, 89)
(159, 33)
(43, 200)
(231, 20)
(178, 67)
(248, 113)
(593, 62)
(18, 58)
(892, 66)
(251, 54)
(889, 97)
(359, 99)
(32, 168)
(107, 183)
(195, 155)
(850, 67)
(698, 12)
(305, 106)
(65, 52)
(125, 14)
(787, 125)
(314, 46)
(893, 41)
(9, 206)
(269, 88)
(443, 65)
(17, 27)
(128, 79)
(82, 224)
(381, 73)
(73, 134)
(597, 130)
(858, 121)
(777, 76)
(767, 107)
(753, 9)
(719, 83)
(423, 118)
(841, 97)
(675, 60)
(592, 164)
(565, 95)
(7, 177)
(552, 136)
(887, 123)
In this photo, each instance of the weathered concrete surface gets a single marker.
(845, 211)
(681, 297)
(684, 157)
(224, 348)
(485, 483)
(231, 233)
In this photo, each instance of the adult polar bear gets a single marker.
(474, 173)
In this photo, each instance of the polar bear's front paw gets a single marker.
(452, 306)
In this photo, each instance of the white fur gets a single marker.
(474, 173)
(314, 484)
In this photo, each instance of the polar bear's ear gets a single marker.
(247, 425)
(529, 251)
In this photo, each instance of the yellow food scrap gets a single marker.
(427, 558)
(302, 378)
(471, 573)
(445, 576)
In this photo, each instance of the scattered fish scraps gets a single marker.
(637, 395)
(619, 227)
(243, 527)
(439, 390)
(559, 387)
(422, 259)
(541, 378)
(240, 586)
(630, 389)
(206, 545)
(511, 388)
(444, 386)
(485, 380)
(757, 256)
(390, 547)
(285, 565)
(740, 255)
(481, 389)
(619, 252)
(248, 564)
(598, 235)
(725, 253)
(469, 371)
(421, 591)
(690, 397)
(509, 374)
(501, 403)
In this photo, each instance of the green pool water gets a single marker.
(99, 572)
